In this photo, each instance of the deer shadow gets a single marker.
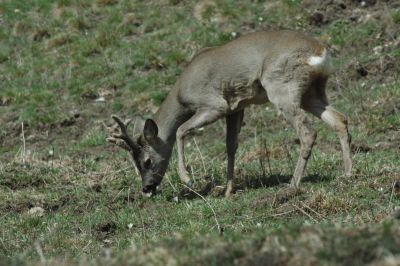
(251, 182)
(274, 180)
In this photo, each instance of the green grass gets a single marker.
(66, 66)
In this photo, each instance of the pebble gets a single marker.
(36, 211)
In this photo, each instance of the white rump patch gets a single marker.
(322, 62)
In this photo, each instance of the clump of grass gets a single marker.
(5, 52)
(93, 138)
(158, 97)
(78, 24)
(39, 34)
(17, 176)
(21, 28)
(395, 14)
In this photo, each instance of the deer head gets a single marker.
(150, 154)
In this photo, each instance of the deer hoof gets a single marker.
(147, 194)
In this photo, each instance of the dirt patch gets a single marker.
(353, 11)
(390, 141)
(17, 207)
(105, 229)
(384, 69)
(281, 197)
(360, 146)
(391, 107)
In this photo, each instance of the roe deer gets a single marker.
(286, 68)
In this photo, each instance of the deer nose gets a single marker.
(150, 188)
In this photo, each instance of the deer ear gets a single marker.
(138, 125)
(150, 130)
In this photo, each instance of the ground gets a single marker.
(68, 197)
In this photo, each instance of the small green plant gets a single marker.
(158, 97)
(93, 138)
(339, 32)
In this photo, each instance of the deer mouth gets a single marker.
(149, 190)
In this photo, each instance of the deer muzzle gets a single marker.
(149, 185)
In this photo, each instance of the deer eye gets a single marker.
(147, 164)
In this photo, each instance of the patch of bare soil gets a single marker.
(105, 229)
(391, 140)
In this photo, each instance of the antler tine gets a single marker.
(123, 126)
(129, 142)
(120, 143)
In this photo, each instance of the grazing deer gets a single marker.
(286, 68)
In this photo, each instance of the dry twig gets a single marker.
(311, 209)
(23, 154)
(304, 212)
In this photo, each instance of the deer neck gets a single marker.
(169, 117)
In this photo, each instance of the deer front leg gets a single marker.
(233, 125)
(201, 118)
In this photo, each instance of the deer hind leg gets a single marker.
(287, 97)
(201, 118)
(233, 125)
(306, 134)
(338, 122)
(316, 102)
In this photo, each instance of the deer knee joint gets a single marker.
(311, 136)
(336, 119)
(180, 133)
(307, 135)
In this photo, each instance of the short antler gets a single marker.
(122, 139)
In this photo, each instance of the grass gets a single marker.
(68, 197)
